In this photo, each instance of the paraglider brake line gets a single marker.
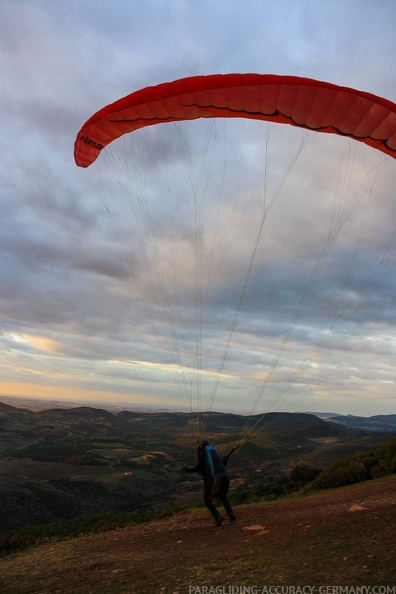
(232, 451)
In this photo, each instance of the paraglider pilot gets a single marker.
(216, 482)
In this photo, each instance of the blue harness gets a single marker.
(215, 462)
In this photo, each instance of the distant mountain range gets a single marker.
(385, 423)
(61, 463)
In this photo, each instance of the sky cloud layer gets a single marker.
(286, 299)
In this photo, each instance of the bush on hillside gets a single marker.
(302, 474)
(358, 467)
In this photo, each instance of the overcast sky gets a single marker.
(297, 305)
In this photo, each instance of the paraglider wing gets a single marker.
(301, 102)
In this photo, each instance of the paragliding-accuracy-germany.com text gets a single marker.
(292, 590)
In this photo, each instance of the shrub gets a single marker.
(358, 467)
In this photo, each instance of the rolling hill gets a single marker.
(61, 464)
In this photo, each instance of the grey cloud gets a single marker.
(64, 270)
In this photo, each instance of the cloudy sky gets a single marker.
(233, 265)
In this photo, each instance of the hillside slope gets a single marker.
(340, 537)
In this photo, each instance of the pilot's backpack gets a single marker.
(216, 469)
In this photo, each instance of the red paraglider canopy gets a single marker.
(301, 102)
